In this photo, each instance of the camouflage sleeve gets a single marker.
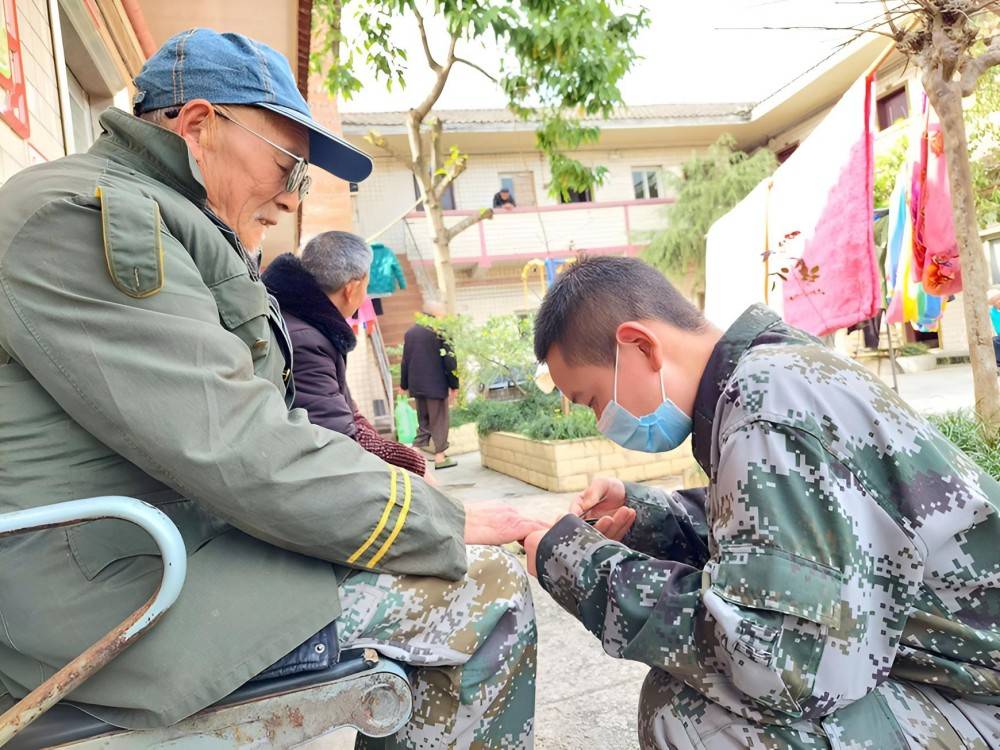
(668, 525)
(611, 589)
(795, 614)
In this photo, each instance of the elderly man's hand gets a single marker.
(493, 522)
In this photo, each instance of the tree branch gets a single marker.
(468, 221)
(975, 67)
(420, 111)
(476, 67)
(434, 65)
(459, 167)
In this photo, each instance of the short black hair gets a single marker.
(595, 295)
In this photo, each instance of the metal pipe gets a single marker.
(62, 82)
(139, 26)
(73, 674)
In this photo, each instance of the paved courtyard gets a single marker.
(586, 699)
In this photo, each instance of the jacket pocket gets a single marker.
(97, 544)
(242, 304)
(772, 612)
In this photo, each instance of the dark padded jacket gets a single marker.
(428, 368)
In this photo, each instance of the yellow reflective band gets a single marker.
(407, 494)
(381, 522)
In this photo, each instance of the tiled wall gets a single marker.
(42, 94)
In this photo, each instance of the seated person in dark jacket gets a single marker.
(317, 292)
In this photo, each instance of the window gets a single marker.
(447, 200)
(892, 107)
(575, 197)
(81, 114)
(13, 102)
(994, 253)
(646, 182)
(352, 187)
(521, 186)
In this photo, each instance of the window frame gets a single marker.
(448, 197)
(657, 173)
(881, 106)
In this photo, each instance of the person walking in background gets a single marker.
(428, 373)
(317, 293)
(993, 297)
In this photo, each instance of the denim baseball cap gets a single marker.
(234, 69)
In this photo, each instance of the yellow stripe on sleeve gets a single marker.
(400, 520)
(381, 522)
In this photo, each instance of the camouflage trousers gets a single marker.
(473, 642)
(896, 716)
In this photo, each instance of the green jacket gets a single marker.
(842, 541)
(138, 356)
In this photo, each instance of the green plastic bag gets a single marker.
(406, 421)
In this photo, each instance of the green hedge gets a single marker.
(967, 433)
(538, 416)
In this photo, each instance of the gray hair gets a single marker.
(334, 258)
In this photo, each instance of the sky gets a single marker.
(700, 51)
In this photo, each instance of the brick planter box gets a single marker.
(570, 465)
(464, 439)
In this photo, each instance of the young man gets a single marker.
(835, 586)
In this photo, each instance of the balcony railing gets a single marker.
(543, 231)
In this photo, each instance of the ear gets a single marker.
(633, 333)
(196, 125)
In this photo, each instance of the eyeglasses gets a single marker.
(298, 180)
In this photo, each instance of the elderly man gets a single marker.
(318, 291)
(139, 356)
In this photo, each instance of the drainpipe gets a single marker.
(62, 82)
(138, 21)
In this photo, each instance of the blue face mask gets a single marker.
(661, 431)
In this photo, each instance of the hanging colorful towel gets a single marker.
(821, 218)
(935, 248)
(908, 301)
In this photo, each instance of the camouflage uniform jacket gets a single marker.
(842, 541)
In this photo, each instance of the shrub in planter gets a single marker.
(965, 431)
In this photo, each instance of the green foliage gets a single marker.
(888, 162)
(537, 415)
(969, 434)
(500, 348)
(983, 128)
(560, 60)
(709, 186)
(912, 349)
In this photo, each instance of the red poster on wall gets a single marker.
(13, 102)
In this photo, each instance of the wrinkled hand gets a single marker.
(613, 526)
(603, 497)
(493, 522)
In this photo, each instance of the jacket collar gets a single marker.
(151, 150)
(298, 293)
(740, 336)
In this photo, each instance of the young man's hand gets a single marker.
(614, 526)
(493, 522)
(603, 497)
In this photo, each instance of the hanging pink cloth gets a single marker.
(364, 316)
(821, 219)
(935, 247)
